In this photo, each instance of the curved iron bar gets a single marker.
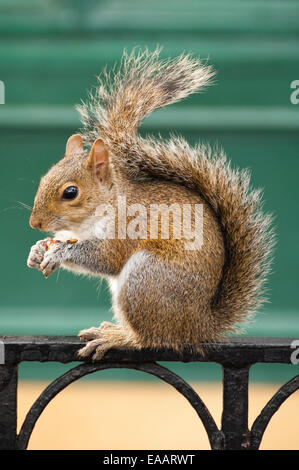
(261, 422)
(214, 434)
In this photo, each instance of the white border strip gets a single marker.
(2, 92)
(2, 352)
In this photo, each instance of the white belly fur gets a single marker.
(117, 282)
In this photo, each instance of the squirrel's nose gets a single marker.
(35, 223)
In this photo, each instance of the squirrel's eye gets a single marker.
(71, 192)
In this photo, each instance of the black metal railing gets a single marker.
(235, 356)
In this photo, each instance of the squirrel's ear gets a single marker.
(74, 145)
(98, 160)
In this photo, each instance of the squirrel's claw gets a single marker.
(48, 266)
(49, 269)
(89, 333)
(96, 346)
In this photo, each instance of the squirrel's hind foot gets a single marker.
(96, 331)
(95, 348)
(110, 336)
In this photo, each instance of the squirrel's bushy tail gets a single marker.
(141, 84)
(144, 83)
(247, 230)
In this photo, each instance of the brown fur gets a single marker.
(166, 296)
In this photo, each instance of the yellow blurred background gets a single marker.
(139, 415)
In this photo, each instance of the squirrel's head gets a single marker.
(73, 188)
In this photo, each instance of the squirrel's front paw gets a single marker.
(53, 258)
(36, 255)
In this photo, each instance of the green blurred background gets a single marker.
(50, 53)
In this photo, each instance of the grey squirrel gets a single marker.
(163, 294)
